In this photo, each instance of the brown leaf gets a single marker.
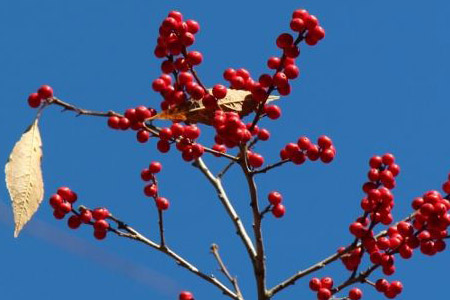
(24, 176)
(194, 112)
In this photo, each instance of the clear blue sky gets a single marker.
(377, 83)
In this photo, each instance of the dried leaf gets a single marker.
(24, 176)
(194, 112)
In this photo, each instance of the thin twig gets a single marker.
(360, 278)
(223, 197)
(270, 167)
(136, 236)
(224, 270)
(80, 111)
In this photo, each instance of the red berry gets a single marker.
(101, 225)
(317, 33)
(188, 39)
(56, 200)
(396, 286)
(151, 190)
(382, 285)
(67, 194)
(275, 198)
(311, 22)
(192, 26)
(327, 155)
(194, 58)
(158, 84)
(324, 142)
(280, 79)
(323, 294)
(274, 62)
(191, 132)
(100, 213)
(219, 91)
(272, 111)
(86, 216)
(326, 282)
(284, 40)
(375, 162)
(45, 92)
(59, 214)
(186, 296)
(163, 146)
(100, 234)
(142, 136)
(34, 100)
(114, 122)
(65, 207)
(297, 25)
(263, 134)
(165, 134)
(388, 159)
(355, 294)
(278, 210)
(291, 71)
(162, 203)
(255, 160)
(446, 187)
(155, 167)
(229, 74)
(300, 13)
(315, 284)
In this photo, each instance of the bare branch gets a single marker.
(270, 167)
(240, 229)
(224, 270)
(133, 234)
(260, 262)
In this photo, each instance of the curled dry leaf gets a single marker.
(193, 111)
(24, 176)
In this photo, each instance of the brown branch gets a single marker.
(360, 278)
(133, 234)
(80, 111)
(223, 197)
(259, 265)
(270, 167)
(224, 270)
(147, 126)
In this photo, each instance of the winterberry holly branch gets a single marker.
(189, 104)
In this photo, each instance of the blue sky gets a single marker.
(377, 83)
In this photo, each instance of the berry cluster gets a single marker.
(231, 131)
(305, 149)
(151, 189)
(324, 287)
(390, 290)
(175, 36)
(133, 119)
(35, 99)
(307, 27)
(275, 199)
(186, 296)
(62, 203)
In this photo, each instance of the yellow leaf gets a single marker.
(194, 112)
(24, 176)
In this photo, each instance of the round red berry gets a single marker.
(45, 92)
(162, 203)
(186, 296)
(219, 91)
(275, 198)
(194, 58)
(34, 100)
(278, 210)
(74, 222)
(355, 294)
(155, 167)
